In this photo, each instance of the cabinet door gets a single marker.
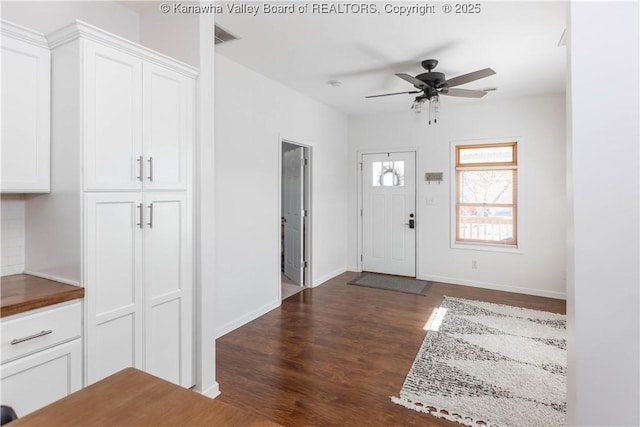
(168, 289)
(166, 124)
(113, 275)
(26, 88)
(113, 119)
(34, 381)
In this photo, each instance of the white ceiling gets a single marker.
(519, 40)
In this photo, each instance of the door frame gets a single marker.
(358, 212)
(307, 198)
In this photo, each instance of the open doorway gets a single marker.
(295, 218)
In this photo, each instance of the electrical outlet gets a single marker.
(474, 264)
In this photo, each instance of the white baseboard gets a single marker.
(235, 324)
(495, 287)
(319, 281)
(354, 269)
(212, 392)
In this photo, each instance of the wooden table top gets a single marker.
(134, 398)
(22, 292)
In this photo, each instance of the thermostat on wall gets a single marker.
(433, 176)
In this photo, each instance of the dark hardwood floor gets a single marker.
(332, 355)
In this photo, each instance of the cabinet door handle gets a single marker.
(30, 337)
(150, 169)
(139, 224)
(140, 173)
(150, 223)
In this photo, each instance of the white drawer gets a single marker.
(27, 333)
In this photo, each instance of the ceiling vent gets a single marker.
(223, 35)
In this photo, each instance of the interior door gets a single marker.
(293, 187)
(388, 213)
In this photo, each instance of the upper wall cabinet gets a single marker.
(136, 122)
(26, 92)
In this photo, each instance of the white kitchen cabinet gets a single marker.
(168, 298)
(121, 202)
(26, 70)
(138, 271)
(113, 259)
(166, 118)
(113, 123)
(42, 357)
(136, 123)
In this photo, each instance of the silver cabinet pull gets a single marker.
(150, 223)
(30, 337)
(140, 216)
(140, 173)
(150, 169)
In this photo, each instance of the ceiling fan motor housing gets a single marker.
(433, 78)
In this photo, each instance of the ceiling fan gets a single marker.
(432, 84)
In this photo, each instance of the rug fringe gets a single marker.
(437, 412)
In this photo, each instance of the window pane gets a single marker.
(492, 186)
(494, 154)
(388, 174)
(485, 224)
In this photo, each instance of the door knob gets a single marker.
(412, 223)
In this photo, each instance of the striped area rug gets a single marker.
(484, 364)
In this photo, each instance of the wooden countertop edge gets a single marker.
(43, 301)
(134, 398)
(20, 293)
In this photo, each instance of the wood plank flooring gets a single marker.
(332, 355)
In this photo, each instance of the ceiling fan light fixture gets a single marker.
(417, 105)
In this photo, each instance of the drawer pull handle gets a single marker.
(30, 337)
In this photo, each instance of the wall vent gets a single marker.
(223, 35)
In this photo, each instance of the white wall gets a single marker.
(48, 16)
(604, 281)
(12, 233)
(252, 113)
(539, 125)
(172, 33)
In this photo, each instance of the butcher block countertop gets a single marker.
(22, 292)
(134, 398)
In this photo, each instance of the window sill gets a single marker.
(486, 247)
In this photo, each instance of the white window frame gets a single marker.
(484, 246)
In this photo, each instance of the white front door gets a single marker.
(388, 213)
(293, 187)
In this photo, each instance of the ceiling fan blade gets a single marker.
(466, 78)
(395, 93)
(465, 93)
(416, 82)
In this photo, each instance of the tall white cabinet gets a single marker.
(121, 200)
